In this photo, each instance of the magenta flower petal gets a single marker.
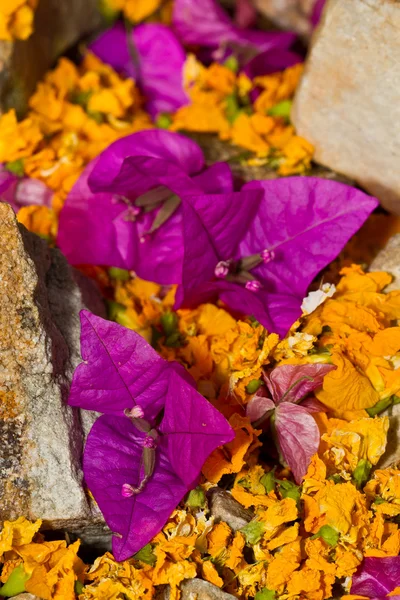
(376, 577)
(113, 458)
(95, 228)
(204, 23)
(193, 427)
(271, 61)
(160, 60)
(291, 383)
(297, 437)
(121, 370)
(317, 12)
(217, 224)
(305, 221)
(180, 151)
(217, 179)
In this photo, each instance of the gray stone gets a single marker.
(288, 14)
(225, 508)
(58, 26)
(196, 589)
(392, 452)
(388, 260)
(347, 101)
(42, 437)
(26, 597)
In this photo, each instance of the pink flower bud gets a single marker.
(267, 255)
(253, 286)
(149, 442)
(126, 490)
(222, 269)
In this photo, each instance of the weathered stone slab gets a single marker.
(347, 102)
(289, 14)
(388, 260)
(42, 437)
(58, 25)
(196, 589)
(225, 508)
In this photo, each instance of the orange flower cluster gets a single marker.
(16, 19)
(75, 113)
(220, 103)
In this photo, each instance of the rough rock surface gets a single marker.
(197, 589)
(349, 82)
(225, 508)
(58, 25)
(388, 260)
(26, 596)
(288, 14)
(42, 437)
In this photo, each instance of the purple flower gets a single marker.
(155, 61)
(271, 61)
(297, 434)
(300, 225)
(23, 191)
(204, 23)
(138, 468)
(377, 577)
(317, 12)
(124, 211)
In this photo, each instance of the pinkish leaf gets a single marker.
(120, 370)
(112, 458)
(193, 428)
(297, 437)
(377, 577)
(258, 406)
(291, 383)
(312, 405)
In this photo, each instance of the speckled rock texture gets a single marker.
(58, 25)
(288, 14)
(225, 508)
(41, 437)
(347, 102)
(196, 589)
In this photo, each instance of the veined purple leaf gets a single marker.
(317, 12)
(301, 225)
(158, 66)
(297, 436)
(204, 23)
(305, 222)
(181, 152)
(271, 61)
(258, 406)
(312, 405)
(291, 383)
(121, 370)
(113, 458)
(377, 577)
(217, 225)
(193, 428)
